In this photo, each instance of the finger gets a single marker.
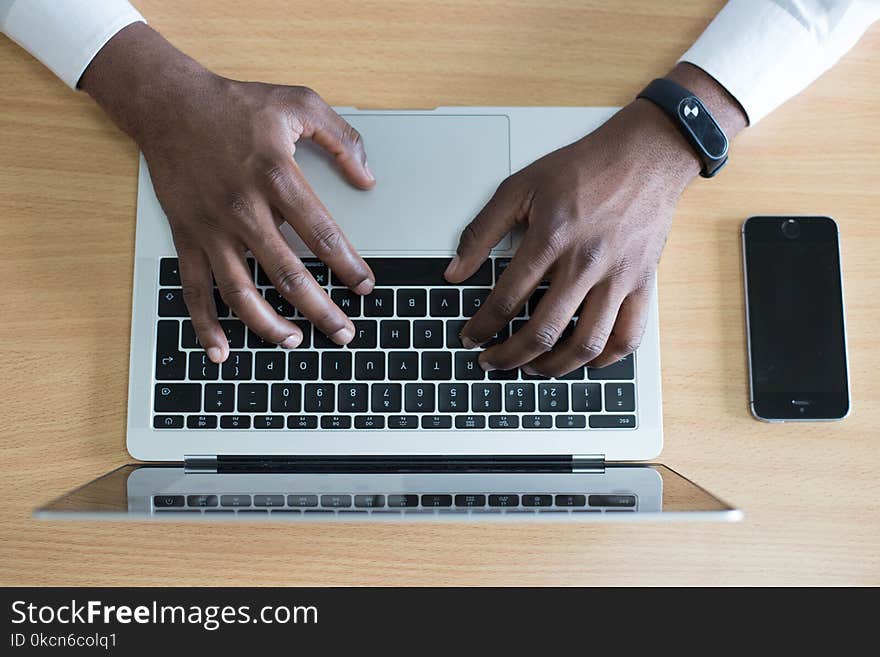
(236, 285)
(198, 293)
(503, 211)
(338, 137)
(546, 325)
(294, 282)
(626, 336)
(595, 322)
(519, 280)
(293, 198)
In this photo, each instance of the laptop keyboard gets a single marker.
(404, 369)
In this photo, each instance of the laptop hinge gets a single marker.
(393, 463)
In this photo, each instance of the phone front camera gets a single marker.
(791, 229)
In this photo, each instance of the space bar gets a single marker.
(419, 271)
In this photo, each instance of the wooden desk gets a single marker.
(67, 208)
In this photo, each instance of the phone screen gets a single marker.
(797, 341)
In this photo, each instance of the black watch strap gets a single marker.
(693, 120)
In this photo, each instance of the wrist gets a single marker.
(141, 81)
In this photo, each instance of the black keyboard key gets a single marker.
(317, 269)
(170, 361)
(486, 397)
(201, 422)
(403, 365)
(394, 334)
(452, 398)
(268, 422)
(403, 421)
(222, 308)
(254, 341)
(500, 265)
(612, 421)
(306, 329)
(445, 303)
(319, 398)
(503, 422)
(428, 334)
(504, 375)
(507, 499)
(365, 332)
(168, 422)
(171, 303)
(335, 422)
(201, 368)
(178, 397)
(537, 421)
(348, 301)
(586, 397)
(571, 500)
(302, 500)
(530, 499)
(436, 365)
(188, 338)
(219, 397)
(279, 304)
(553, 397)
(270, 366)
(352, 397)
(622, 369)
(286, 397)
(238, 366)
(436, 500)
(201, 500)
(234, 330)
(571, 422)
(386, 398)
(625, 501)
(453, 333)
(369, 422)
(436, 422)
(403, 500)
(369, 365)
(168, 501)
(577, 374)
(420, 271)
(419, 397)
(620, 397)
(235, 500)
(268, 500)
(470, 422)
(262, 276)
(499, 337)
(470, 500)
(467, 368)
(235, 422)
(323, 342)
(519, 397)
(369, 501)
(253, 397)
(302, 422)
(472, 300)
(336, 366)
(336, 501)
(379, 303)
(302, 366)
(412, 303)
(169, 272)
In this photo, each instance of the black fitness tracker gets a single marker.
(693, 120)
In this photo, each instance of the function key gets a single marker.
(622, 369)
(537, 500)
(369, 501)
(235, 422)
(302, 500)
(412, 303)
(504, 500)
(403, 500)
(168, 422)
(470, 500)
(620, 397)
(403, 421)
(470, 422)
(268, 422)
(445, 303)
(201, 422)
(302, 422)
(335, 422)
(537, 421)
(336, 501)
(235, 500)
(171, 303)
(379, 303)
(169, 273)
(436, 422)
(436, 500)
(613, 500)
(201, 500)
(504, 422)
(369, 422)
(612, 421)
(268, 500)
(571, 500)
(571, 422)
(168, 501)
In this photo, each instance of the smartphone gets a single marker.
(795, 319)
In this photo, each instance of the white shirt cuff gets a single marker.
(65, 35)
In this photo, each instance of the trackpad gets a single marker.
(433, 172)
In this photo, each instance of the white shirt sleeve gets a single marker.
(65, 35)
(766, 51)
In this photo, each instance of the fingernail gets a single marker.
(215, 354)
(487, 367)
(450, 269)
(369, 173)
(343, 336)
(364, 287)
(467, 342)
(292, 341)
(529, 370)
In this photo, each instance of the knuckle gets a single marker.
(589, 256)
(193, 296)
(503, 307)
(238, 205)
(326, 240)
(306, 97)
(587, 351)
(626, 344)
(291, 281)
(543, 338)
(352, 137)
(275, 177)
(234, 295)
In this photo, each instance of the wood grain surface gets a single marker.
(67, 209)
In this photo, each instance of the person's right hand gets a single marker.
(221, 156)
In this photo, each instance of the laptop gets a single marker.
(402, 423)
